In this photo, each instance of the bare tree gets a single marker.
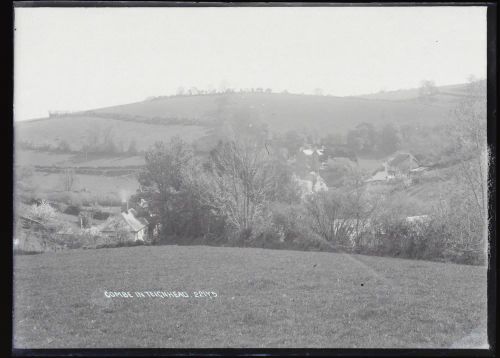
(241, 179)
(469, 135)
(236, 172)
(463, 209)
(341, 216)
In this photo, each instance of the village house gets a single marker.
(310, 183)
(309, 158)
(306, 166)
(125, 227)
(401, 165)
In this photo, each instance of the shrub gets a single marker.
(450, 234)
(73, 210)
(340, 217)
(101, 215)
(42, 212)
(286, 228)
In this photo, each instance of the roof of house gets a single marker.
(31, 220)
(311, 150)
(135, 223)
(400, 158)
(125, 221)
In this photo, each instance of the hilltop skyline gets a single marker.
(77, 59)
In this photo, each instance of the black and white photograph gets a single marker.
(250, 177)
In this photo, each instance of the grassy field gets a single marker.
(74, 130)
(281, 112)
(265, 298)
(94, 184)
(25, 157)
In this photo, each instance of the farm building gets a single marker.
(401, 164)
(126, 226)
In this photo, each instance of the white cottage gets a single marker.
(126, 224)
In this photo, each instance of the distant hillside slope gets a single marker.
(288, 111)
(73, 130)
(445, 94)
(152, 120)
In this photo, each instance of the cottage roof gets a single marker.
(125, 221)
(135, 223)
(400, 158)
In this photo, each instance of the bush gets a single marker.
(101, 215)
(42, 212)
(339, 216)
(284, 228)
(73, 210)
(440, 238)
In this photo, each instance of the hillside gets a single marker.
(287, 111)
(265, 298)
(74, 130)
(192, 117)
(445, 94)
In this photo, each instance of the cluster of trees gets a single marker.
(366, 139)
(243, 193)
(226, 194)
(427, 92)
(223, 89)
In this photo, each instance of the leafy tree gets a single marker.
(292, 141)
(354, 140)
(389, 139)
(362, 139)
(162, 181)
(427, 91)
(332, 140)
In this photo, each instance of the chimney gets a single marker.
(124, 206)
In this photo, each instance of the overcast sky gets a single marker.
(83, 58)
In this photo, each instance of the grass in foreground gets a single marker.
(266, 298)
